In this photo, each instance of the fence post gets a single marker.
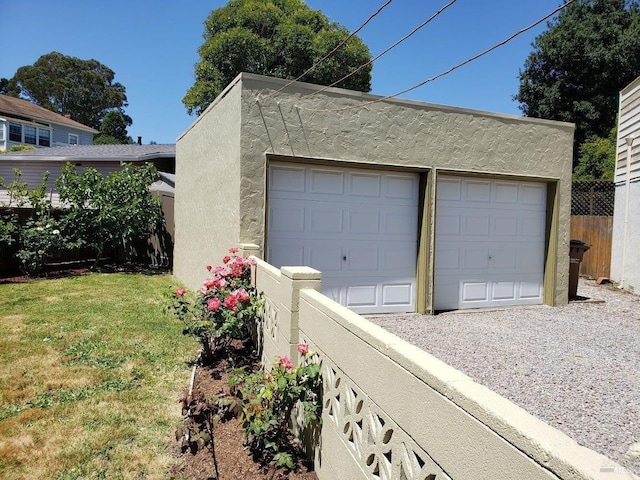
(295, 279)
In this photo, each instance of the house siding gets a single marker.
(625, 264)
(392, 134)
(32, 171)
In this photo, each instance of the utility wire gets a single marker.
(455, 67)
(422, 25)
(335, 49)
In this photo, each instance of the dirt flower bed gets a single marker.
(235, 461)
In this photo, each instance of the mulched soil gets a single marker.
(235, 462)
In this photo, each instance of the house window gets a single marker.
(15, 132)
(44, 137)
(2, 130)
(29, 135)
(73, 139)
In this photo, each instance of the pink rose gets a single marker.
(303, 348)
(233, 250)
(226, 259)
(239, 261)
(242, 295)
(180, 292)
(213, 304)
(230, 301)
(286, 362)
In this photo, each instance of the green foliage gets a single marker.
(280, 38)
(116, 210)
(68, 85)
(115, 125)
(597, 158)
(18, 148)
(580, 63)
(268, 401)
(224, 309)
(106, 140)
(39, 237)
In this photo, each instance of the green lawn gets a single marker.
(91, 369)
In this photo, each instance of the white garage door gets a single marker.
(357, 226)
(490, 239)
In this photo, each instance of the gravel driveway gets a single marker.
(576, 367)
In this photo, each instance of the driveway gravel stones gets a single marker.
(576, 367)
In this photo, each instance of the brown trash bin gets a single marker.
(576, 252)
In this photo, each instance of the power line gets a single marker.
(423, 24)
(455, 67)
(335, 49)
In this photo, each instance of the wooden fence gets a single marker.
(597, 232)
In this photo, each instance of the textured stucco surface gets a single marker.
(395, 133)
(391, 134)
(629, 273)
(207, 198)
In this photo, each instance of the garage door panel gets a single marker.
(475, 291)
(326, 182)
(358, 227)
(401, 187)
(506, 193)
(362, 259)
(286, 179)
(477, 191)
(289, 219)
(363, 222)
(325, 220)
(362, 295)
(365, 184)
(286, 253)
(397, 294)
(497, 256)
(324, 258)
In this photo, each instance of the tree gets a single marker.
(597, 158)
(580, 64)
(279, 38)
(114, 129)
(68, 85)
(114, 210)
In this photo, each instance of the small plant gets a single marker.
(223, 310)
(39, 239)
(268, 401)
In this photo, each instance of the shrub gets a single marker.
(268, 401)
(223, 310)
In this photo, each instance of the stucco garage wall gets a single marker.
(207, 200)
(395, 133)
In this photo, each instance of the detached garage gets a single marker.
(403, 206)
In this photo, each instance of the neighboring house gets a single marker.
(403, 206)
(24, 123)
(625, 261)
(104, 158)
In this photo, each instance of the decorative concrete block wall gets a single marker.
(392, 411)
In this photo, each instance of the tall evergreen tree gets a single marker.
(580, 63)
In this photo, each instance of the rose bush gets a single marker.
(268, 400)
(224, 308)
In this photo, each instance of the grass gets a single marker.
(91, 368)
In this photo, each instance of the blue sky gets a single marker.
(152, 47)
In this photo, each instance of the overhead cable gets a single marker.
(335, 49)
(423, 24)
(455, 67)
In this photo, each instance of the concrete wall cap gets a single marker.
(301, 273)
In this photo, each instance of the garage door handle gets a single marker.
(344, 258)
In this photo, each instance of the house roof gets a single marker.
(74, 153)
(17, 108)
